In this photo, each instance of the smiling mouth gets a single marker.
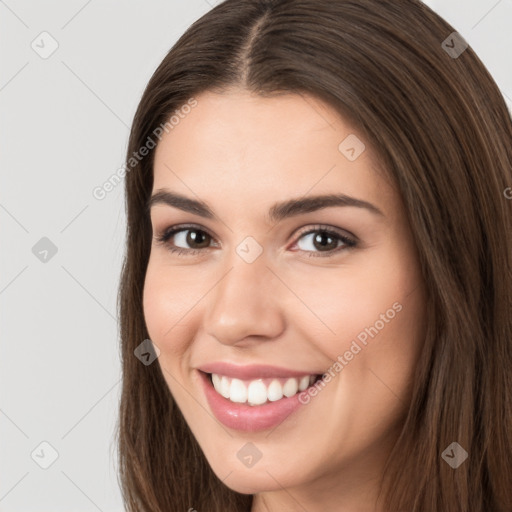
(260, 391)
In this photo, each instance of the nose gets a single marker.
(244, 307)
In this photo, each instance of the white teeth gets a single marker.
(223, 389)
(304, 383)
(216, 380)
(275, 391)
(256, 392)
(290, 388)
(237, 391)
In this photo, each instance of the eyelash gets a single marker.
(163, 239)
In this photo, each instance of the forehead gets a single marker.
(255, 149)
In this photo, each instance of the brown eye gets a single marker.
(196, 236)
(185, 239)
(324, 240)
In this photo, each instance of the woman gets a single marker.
(319, 247)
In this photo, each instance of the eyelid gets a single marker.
(324, 227)
(163, 236)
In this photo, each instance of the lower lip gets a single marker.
(246, 417)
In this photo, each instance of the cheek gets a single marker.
(382, 330)
(372, 315)
(343, 302)
(154, 304)
(166, 303)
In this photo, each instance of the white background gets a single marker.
(64, 125)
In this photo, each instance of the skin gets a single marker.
(241, 153)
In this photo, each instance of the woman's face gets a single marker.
(270, 274)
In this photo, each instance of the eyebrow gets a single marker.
(277, 212)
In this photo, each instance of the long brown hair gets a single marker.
(443, 133)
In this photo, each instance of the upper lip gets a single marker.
(253, 371)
